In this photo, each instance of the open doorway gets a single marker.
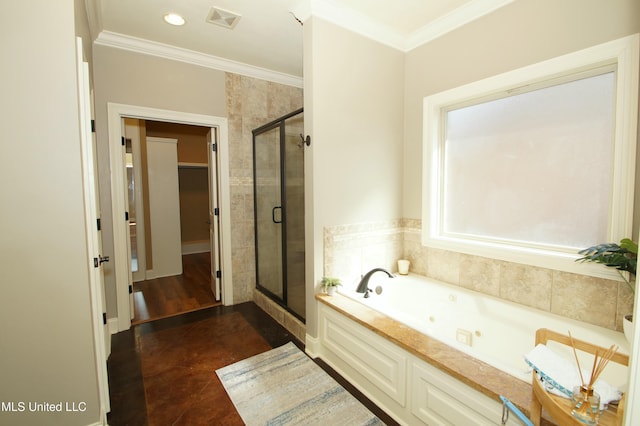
(169, 197)
(219, 174)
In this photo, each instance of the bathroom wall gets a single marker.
(354, 114)
(250, 103)
(519, 34)
(46, 319)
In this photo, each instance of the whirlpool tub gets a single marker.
(429, 352)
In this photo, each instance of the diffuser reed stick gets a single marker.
(598, 364)
(575, 354)
(586, 402)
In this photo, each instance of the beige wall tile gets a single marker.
(443, 265)
(588, 299)
(352, 249)
(480, 274)
(526, 285)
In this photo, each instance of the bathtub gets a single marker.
(492, 330)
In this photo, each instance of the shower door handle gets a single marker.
(273, 214)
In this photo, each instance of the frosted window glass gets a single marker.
(534, 167)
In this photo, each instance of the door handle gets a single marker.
(273, 214)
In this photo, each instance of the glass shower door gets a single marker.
(279, 211)
(268, 211)
(294, 213)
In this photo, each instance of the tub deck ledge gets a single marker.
(480, 376)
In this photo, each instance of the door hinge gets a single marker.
(130, 289)
(126, 216)
(216, 212)
(122, 140)
(93, 126)
(104, 318)
(97, 261)
(218, 274)
(98, 224)
(214, 147)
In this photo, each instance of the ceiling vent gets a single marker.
(222, 17)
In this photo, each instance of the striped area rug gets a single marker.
(284, 386)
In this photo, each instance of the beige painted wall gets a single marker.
(522, 33)
(46, 343)
(134, 79)
(354, 113)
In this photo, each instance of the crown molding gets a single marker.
(147, 47)
(342, 16)
(459, 17)
(350, 19)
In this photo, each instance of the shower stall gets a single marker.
(278, 183)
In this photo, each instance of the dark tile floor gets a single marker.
(163, 372)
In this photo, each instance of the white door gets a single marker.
(214, 214)
(91, 210)
(164, 207)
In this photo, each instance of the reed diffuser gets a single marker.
(586, 402)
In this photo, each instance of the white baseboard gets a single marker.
(193, 247)
(311, 346)
(112, 325)
(151, 274)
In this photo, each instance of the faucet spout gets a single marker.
(363, 287)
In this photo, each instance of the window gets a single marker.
(535, 164)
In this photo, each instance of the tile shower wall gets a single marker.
(351, 250)
(250, 104)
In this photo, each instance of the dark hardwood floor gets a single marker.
(168, 296)
(163, 372)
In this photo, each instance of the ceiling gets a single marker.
(267, 37)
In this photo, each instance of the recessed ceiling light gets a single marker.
(174, 19)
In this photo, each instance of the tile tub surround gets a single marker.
(474, 373)
(352, 250)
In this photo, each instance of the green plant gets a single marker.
(623, 257)
(330, 282)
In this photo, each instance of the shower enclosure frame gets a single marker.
(278, 123)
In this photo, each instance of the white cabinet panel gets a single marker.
(438, 399)
(382, 364)
(409, 389)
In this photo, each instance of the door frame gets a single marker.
(122, 269)
(141, 273)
